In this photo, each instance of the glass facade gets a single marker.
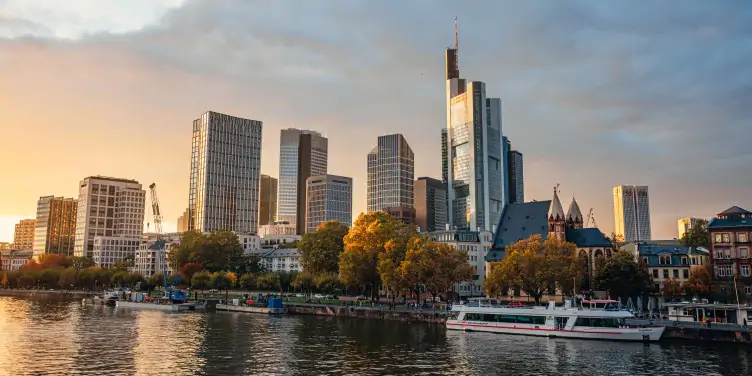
(391, 174)
(268, 200)
(225, 174)
(329, 197)
(313, 159)
(55, 230)
(632, 212)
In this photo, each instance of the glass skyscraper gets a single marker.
(55, 230)
(329, 197)
(302, 154)
(391, 174)
(632, 212)
(225, 173)
(475, 155)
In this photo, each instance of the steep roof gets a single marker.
(734, 210)
(587, 237)
(733, 220)
(574, 213)
(520, 221)
(555, 211)
(651, 249)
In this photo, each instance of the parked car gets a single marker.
(362, 297)
(300, 295)
(319, 296)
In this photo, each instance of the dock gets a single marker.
(250, 309)
(181, 307)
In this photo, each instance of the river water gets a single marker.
(57, 336)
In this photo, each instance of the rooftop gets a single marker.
(732, 217)
(587, 237)
(520, 221)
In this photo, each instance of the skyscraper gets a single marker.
(476, 161)
(225, 172)
(268, 200)
(686, 224)
(516, 177)
(632, 212)
(391, 170)
(108, 207)
(329, 197)
(55, 230)
(183, 221)
(302, 154)
(430, 204)
(23, 236)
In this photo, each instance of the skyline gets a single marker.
(595, 95)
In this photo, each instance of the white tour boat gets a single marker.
(595, 319)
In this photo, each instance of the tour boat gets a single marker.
(595, 319)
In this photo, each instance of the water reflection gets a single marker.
(58, 336)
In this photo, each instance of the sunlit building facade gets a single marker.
(267, 200)
(329, 197)
(55, 230)
(23, 236)
(225, 173)
(391, 174)
(632, 213)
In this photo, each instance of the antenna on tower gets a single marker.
(456, 33)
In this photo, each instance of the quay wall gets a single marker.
(369, 313)
(707, 335)
(46, 293)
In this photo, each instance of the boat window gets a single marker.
(600, 322)
(511, 319)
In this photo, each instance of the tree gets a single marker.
(616, 240)
(119, 277)
(4, 281)
(248, 281)
(363, 244)
(125, 263)
(268, 281)
(672, 289)
(699, 283)
(201, 280)
(319, 250)
(326, 282)
(244, 264)
(220, 281)
(182, 254)
(304, 281)
(622, 277)
(189, 269)
(697, 236)
(81, 263)
(220, 247)
(157, 279)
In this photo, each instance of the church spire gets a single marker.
(555, 211)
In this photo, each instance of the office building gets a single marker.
(430, 204)
(329, 198)
(55, 230)
(516, 177)
(632, 213)
(278, 228)
(225, 173)
(107, 207)
(149, 258)
(183, 221)
(476, 161)
(268, 200)
(401, 213)
(391, 171)
(302, 154)
(686, 224)
(23, 236)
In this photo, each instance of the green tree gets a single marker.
(319, 250)
(201, 280)
(157, 279)
(366, 240)
(220, 281)
(219, 249)
(243, 264)
(248, 281)
(326, 282)
(268, 281)
(48, 278)
(118, 277)
(68, 278)
(304, 281)
(697, 236)
(184, 253)
(125, 263)
(621, 276)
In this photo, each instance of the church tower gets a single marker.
(574, 215)
(556, 218)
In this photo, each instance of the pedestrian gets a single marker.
(745, 323)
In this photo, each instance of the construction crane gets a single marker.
(591, 218)
(159, 244)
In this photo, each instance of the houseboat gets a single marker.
(704, 311)
(594, 319)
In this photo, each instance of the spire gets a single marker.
(456, 34)
(574, 215)
(555, 211)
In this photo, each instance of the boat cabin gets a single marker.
(713, 312)
(603, 304)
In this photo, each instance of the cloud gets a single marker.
(594, 94)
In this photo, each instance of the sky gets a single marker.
(594, 93)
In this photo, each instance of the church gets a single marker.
(547, 218)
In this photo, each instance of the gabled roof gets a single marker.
(735, 210)
(587, 237)
(494, 255)
(520, 221)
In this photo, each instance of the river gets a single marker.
(59, 336)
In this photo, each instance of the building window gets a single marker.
(741, 237)
(676, 273)
(645, 260)
(745, 270)
(655, 273)
(744, 253)
(748, 290)
(727, 254)
(727, 238)
(718, 238)
(721, 271)
(694, 260)
(719, 254)
(686, 273)
(729, 273)
(665, 273)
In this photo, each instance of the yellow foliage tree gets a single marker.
(672, 289)
(4, 281)
(699, 282)
(536, 265)
(435, 266)
(375, 239)
(233, 278)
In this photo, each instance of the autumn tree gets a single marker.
(189, 269)
(319, 250)
(268, 281)
(220, 281)
(672, 289)
(447, 266)
(201, 280)
(326, 282)
(699, 283)
(363, 245)
(81, 263)
(215, 251)
(4, 281)
(621, 276)
(247, 281)
(304, 281)
(535, 266)
(697, 236)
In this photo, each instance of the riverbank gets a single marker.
(51, 293)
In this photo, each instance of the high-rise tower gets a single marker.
(391, 170)
(632, 212)
(475, 157)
